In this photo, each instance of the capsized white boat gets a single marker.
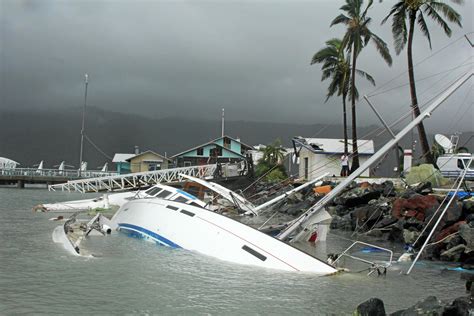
(181, 225)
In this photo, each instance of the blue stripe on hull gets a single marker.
(146, 232)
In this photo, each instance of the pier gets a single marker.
(22, 176)
(143, 179)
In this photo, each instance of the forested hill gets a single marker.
(54, 135)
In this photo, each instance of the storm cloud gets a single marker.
(192, 58)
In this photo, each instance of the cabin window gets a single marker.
(254, 253)
(163, 194)
(174, 208)
(200, 151)
(181, 199)
(468, 163)
(460, 164)
(187, 213)
(153, 191)
(195, 204)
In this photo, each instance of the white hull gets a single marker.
(193, 228)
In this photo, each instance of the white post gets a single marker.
(222, 134)
(407, 159)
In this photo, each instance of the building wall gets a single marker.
(206, 153)
(318, 164)
(123, 167)
(139, 164)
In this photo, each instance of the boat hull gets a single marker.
(193, 228)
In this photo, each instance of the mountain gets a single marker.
(53, 135)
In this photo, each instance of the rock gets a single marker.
(415, 206)
(423, 188)
(371, 307)
(357, 196)
(409, 236)
(453, 254)
(468, 207)
(396, 233)
(388, 189)
(467, 233)
(386, 221)
(453, 213)
(430, 306)
(365, 215)
(341, 210)
(343, 223)
(449, 230)
(460, 306)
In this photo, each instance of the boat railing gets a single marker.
(374, 265)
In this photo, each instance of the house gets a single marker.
(148, 161)
(120, 161)
(222, 149)
(321, 155)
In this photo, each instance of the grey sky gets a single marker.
(191, 58)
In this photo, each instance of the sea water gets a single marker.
(131, 276)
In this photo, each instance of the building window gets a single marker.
(152, 166)
(227, 142)
(200, 151)
(187, 163)
(216, 152)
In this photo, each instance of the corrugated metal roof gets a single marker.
(122, 157)
(331, 145)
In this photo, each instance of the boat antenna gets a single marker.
(83, 121)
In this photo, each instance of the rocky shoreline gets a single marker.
(396, 214)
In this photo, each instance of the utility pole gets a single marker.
(83, 121)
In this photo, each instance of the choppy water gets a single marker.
(136, 277)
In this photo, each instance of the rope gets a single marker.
(97, 147)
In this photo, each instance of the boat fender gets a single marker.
(106, 229)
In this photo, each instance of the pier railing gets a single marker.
(71, 174)
(138, 179)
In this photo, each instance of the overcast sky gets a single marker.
(192, 58)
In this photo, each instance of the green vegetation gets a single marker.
(357, 36)
(415, 11)
(270, 166)
(337, 67)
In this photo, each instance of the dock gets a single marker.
(144, 179)
(22, 176)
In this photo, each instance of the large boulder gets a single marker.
(357, 196)
(365, 216)
(460, 306)
(425, 173)
(430, 306)
(467, 233)
(371, 307)
(415, 206)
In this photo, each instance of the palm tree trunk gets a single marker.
(344, 115)
(414, 101)
(355, 152)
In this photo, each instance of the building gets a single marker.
(320, 155)
(223, 149)
(120, 161)
(148, 161)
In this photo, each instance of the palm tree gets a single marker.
(274, 153)
(357, 36)
(413, 11)
(337, 67)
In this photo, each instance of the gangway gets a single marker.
(138, 179)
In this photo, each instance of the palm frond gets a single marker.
(424, 28)
(365, 75)
(431, 12)
(382, 48)
(395, 8)
(451, 14)
(340, 19)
